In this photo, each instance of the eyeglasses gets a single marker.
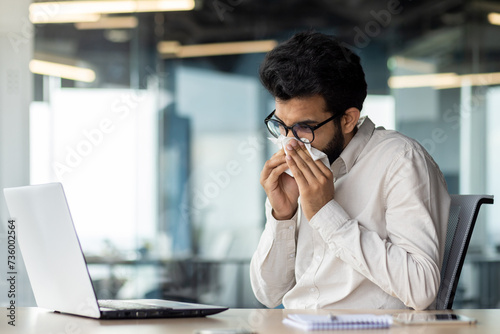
(302, 131)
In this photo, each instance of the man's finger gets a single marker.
(303, 161)
(296, 171)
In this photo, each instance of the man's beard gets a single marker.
(335, 147)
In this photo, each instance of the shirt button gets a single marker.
(290, 227)
(292, 255)
(312, 289)
(318, 257)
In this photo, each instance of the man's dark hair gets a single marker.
(312, 63)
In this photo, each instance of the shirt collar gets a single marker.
(350, 154)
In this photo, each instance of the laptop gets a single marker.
(57, 269)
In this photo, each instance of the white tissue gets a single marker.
(316, 154)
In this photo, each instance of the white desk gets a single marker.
(32, 320)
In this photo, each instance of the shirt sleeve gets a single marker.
(272, 269)
(407, 263)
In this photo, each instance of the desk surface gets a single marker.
(32, 320)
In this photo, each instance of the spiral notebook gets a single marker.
(313, 322)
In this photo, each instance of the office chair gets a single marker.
(463, 214)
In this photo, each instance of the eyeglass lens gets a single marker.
(301, 132)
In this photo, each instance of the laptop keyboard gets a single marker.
(127, 305)
(130, 309)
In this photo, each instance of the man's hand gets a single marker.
(314, 179)
(281, 188)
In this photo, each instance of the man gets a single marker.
(370, 232)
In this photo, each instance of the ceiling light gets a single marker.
(172, 49)
(413, 65)
(483, 79)
(423, 80)
(494, 18)
(119, 22)
(65, 18)
(444, 80)
(62, 71)
(49, 12)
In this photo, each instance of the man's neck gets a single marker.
(349, 136)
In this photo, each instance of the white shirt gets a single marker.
(378, 244)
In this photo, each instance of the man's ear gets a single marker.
(350, 120)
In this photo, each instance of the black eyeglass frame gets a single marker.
(312, 127)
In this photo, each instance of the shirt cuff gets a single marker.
(281, 229)
(329, 219)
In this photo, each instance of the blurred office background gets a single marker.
(151, 115)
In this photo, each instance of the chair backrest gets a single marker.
(463, 214)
